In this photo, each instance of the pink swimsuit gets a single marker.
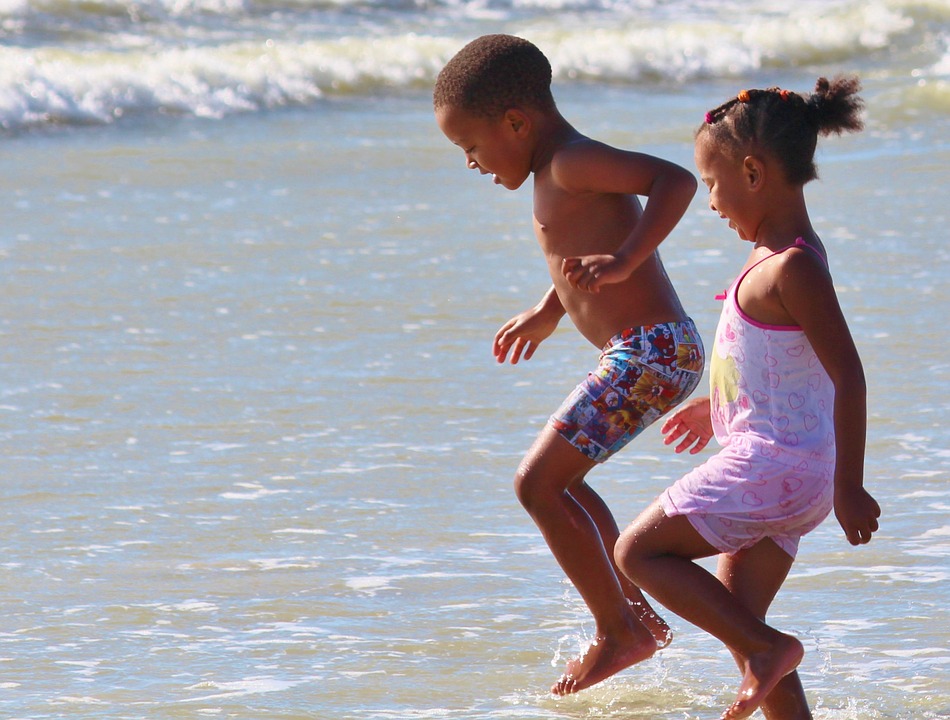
(772, 407)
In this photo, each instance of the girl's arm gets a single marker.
(806, 291)
(690, 421)
(591, 166)
(525, 331)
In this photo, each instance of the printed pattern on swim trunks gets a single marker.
(643, 373)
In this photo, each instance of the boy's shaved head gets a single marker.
(494, 73)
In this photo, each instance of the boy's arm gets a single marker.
(525, 331)
(806, 291)
(595, 167)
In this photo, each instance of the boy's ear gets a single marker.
(753, 171)
(518, 120)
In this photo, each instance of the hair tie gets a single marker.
(709, 118)
(784, 94)
(743, 96)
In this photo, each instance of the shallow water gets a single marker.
(258, 457)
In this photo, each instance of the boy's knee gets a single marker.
(526, 488)
(535, 488)
(547, 474)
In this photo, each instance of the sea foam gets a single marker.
(214, 58)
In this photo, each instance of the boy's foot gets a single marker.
(604, 657)
(762, 673)
(654, 623)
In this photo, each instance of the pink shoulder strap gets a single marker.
(799, 242)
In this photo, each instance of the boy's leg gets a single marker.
(609, 532)
(754, 577)
(546, 476)
(657, 553)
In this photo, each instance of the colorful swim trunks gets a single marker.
(643, 373)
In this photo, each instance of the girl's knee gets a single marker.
(626, 553)
(637, 544)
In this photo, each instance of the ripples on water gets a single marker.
(257, 457)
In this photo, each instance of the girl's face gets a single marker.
(727, 181)
(491, 146)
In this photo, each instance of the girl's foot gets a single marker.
(762, 673)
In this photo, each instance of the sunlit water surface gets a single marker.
(257, 457)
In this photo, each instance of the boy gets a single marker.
(493, 100)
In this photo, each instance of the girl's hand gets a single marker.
(690, 421)
(591, 272)
(523, 333)
(857, 513)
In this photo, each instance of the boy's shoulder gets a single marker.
(578, 147)
(574, 162)
(575, 154)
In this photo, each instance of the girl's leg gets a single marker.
(588, 499)
(657, 553)
(550, 470)
(754, 577)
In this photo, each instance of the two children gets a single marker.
(788, 394)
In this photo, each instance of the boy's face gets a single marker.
(495, 146)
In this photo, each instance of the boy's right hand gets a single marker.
(522, 334)
(692, 420)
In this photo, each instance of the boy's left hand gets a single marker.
(591, 272)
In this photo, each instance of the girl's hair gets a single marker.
(786, 124)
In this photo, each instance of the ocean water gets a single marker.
(256, 454)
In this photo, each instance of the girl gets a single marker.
(787, 401)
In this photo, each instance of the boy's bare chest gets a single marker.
(576, 224)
